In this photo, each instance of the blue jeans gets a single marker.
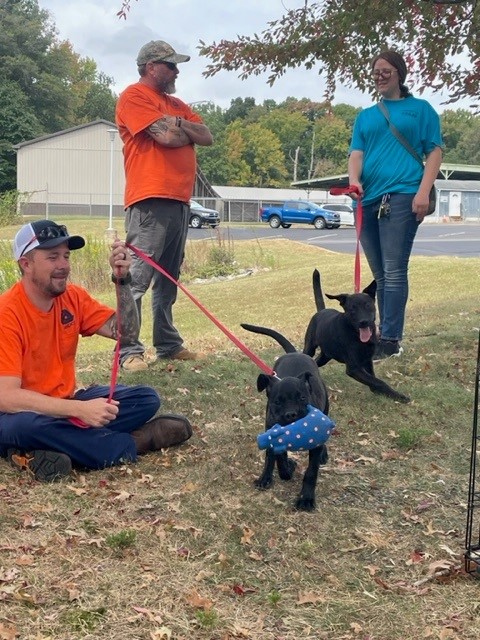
(94, 448)
(387, 243)
(158, 227)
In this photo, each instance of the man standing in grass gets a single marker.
(159, 134)
(42, 317)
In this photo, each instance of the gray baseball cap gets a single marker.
(159, 51)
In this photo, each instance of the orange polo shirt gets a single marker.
(40, 347)
(151, 170)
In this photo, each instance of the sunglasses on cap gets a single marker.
(47, 233)
(171, 65)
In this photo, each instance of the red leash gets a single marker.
(341, 191)
(264, 367)
(115, 366)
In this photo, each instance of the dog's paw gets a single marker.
(305, 504)
(263, 483)
(286, 471)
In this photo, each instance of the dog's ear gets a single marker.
(342, 298)
(263, 382)
(371, 290)
(306, 377)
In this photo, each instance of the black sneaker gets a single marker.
(387, 349)
(44, 466)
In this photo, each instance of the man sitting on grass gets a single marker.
(42, 318)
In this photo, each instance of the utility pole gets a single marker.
(312, 149)
(295, 163)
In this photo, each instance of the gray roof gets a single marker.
(112, 125)
(460, 172)
(260, 193)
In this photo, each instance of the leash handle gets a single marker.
(262, 365)
(341, 191)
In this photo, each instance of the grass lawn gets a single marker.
(181, 545)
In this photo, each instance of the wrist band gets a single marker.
(125, 280)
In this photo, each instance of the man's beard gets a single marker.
(170, 87)
(50, 289)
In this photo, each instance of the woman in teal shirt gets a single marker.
(394, 188)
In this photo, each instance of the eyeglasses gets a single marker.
(47, 233)
(382, 73)
(171, 65)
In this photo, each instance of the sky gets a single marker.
(95, 31)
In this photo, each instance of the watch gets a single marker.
(125, 280)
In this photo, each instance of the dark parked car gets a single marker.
(299, 211)
(200, 215)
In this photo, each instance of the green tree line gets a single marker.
(271, 145)
(46, 87)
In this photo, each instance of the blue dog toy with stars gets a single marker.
(307, 433)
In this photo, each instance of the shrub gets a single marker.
(10, 207)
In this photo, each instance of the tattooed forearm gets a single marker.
(165, 132)
(129, 323)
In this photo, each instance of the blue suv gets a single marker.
(300, 211)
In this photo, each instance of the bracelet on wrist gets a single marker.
(122, 280)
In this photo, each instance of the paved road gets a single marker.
(453, 239)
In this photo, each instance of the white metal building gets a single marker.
(80, 171)
(71, 171)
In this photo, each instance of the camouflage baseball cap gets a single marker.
(158, 50)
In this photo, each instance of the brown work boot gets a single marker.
(134, 364)
(44, 466)
(184, 354)
(162, 432)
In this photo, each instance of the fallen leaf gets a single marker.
(30, 523)
(145, 612)
(424, 506)
(372, 569)
(73, 594)
(308, 597)
(416, 557)
(365, 459)
(25, 561)
(430, 530)
(8, 632)
(194, 599)
(183, 390)
(163, 632)
(439, 565)
(77, 490)
(247, 535)
(123, 496)
(22, 595)
(189, 487)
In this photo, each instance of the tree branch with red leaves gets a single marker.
(438, 38)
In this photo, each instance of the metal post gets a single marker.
(112, 133)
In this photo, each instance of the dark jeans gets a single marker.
(158, 227)
(387, 243)
(94, 448)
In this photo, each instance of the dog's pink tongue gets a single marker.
(365, 334)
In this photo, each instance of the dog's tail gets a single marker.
(317, 290)
(282, 341)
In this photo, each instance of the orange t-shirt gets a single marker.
(153, 171)
(40, 347)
